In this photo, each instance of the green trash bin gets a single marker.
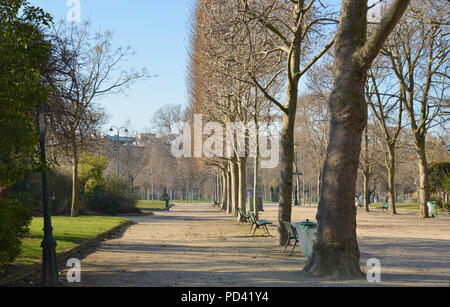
(432, 205)
(307, 235)
(250, 203)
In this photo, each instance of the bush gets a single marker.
(29, 191)
(15, 220)
(112, 197)
(447, 206)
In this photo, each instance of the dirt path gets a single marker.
(196, 245)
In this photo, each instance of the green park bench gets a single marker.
(259, 224)
(242, 216)
(385, 206)
(293, 235)
(216, 203)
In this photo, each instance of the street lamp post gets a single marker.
(118, 146)
(49, 262)
(297, 174)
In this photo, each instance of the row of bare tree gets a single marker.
(250, 61)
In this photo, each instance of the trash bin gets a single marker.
(307, 236)
(431, 208)
(250, 203)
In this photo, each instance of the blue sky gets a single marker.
(158, 32)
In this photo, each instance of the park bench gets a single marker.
(293, 235)
(216, 203)
(259, 224)
(242, 216)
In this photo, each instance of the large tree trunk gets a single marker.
(287, 168)
(319, 183)
(230, 194)
(424, 185)
(367, 172)
(217, 185)
(219, 188)
(336, 252)
(224, 190)
(391, 181)
(336, 249)
(75, 190)
(366, 176)
(214, 194)
(235, 186)
(242, 182)
(256, 189)
(287, 132)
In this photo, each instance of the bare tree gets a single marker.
(336, 251)
(419, 55)
(292, 27)
(383, 104)
(88, 70)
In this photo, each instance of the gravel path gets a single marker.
(196, 245)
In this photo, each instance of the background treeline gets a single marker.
(358, 95)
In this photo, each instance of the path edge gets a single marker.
(65, 255)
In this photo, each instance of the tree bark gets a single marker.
(336, 249)
(224, 190)
(75, 195)
(242, 182)
(336, 252)
(319, 182)
(287, 170)
(235, 186)
(230, 191)
(366, 191)
(424, 185)
(391, 181)
(367, 172)
(256, 183)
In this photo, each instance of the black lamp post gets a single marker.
(296, 187)
(118, 146)
(49, 262)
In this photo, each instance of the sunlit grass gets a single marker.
(398, 205)
(68, 232)
(147, 206)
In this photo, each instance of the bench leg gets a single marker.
(267, 230)
(254, 231)
(287, 244)
(295, 244)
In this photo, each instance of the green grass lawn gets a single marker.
(69, 232)
(303, 203)
(147, 206)
(406, 206)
